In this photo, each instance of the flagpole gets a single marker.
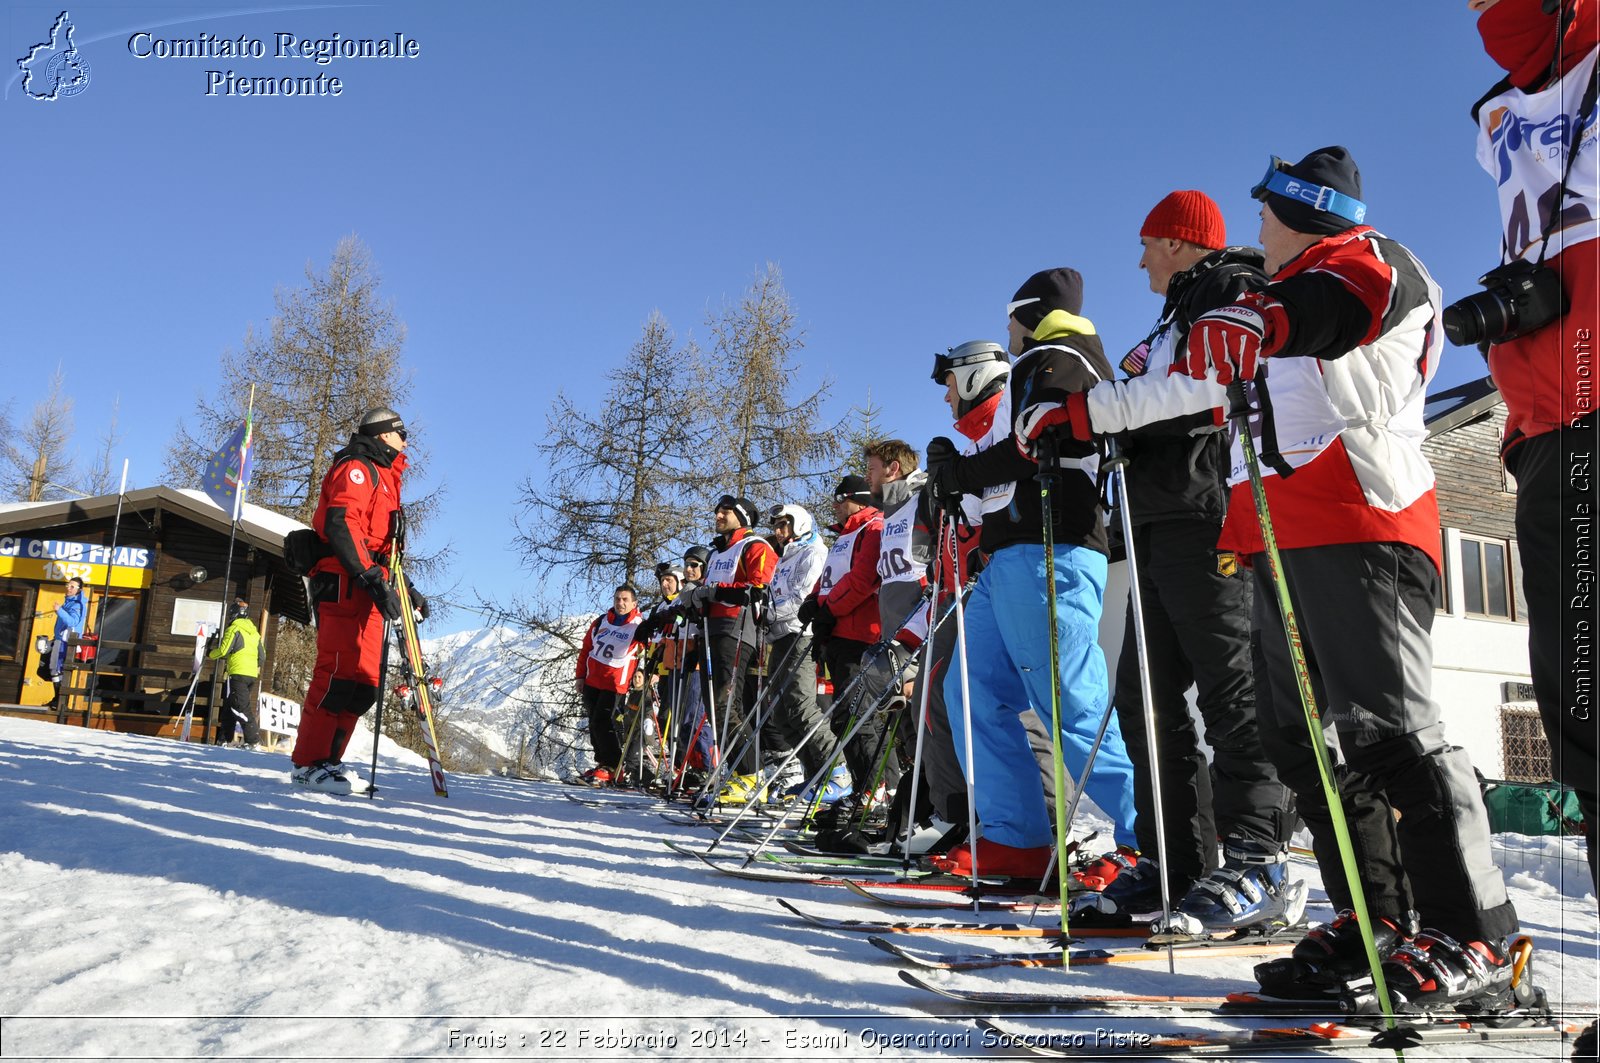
(105, 594)
(227, 567)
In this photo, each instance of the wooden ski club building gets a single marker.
(154, 579)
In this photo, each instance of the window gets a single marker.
(10, 625)
(1524, 749)
(117, 626)
(1441, 594)
(1485, 578)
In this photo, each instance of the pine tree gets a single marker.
(622, 484)
(767, 444)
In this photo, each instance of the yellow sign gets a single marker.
(42, 569)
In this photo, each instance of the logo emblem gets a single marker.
(55, 69)
(357, 476)
(1227, 563)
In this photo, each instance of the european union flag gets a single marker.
(227, 474)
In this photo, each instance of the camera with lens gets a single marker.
(1518, 297)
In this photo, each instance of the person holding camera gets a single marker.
(1538, 318)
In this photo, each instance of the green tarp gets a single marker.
(1531, 808)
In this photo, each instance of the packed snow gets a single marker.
(179, 900)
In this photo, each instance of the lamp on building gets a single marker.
(184, 580)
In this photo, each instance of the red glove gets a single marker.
(1231, 339)
(1032, 423)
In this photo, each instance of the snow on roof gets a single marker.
(255, 522)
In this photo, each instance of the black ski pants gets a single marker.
(239, 711)
(1197, 632)
(1555, 531)
(601, 707)
(1365, 612)
(861, 753)
(731, 662)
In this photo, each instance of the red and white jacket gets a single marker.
(848, 587)
(1346, 399)
(609, 653)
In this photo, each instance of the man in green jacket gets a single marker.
(241, 651)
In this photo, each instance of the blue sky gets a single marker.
(545, 175)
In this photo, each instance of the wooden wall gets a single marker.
(1475, 493)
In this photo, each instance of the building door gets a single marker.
(36, 691)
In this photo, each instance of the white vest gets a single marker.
(894, 545)
(1521, 142)
(609, 647)
(724, 564)
(844, 549)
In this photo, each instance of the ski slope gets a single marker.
(171, 900)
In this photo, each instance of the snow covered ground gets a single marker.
(172, 900)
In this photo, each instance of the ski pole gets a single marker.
(856, 724)
(1239, 411)
(748, 729)
(1077, 793)
(926, 675)
(377, 724)
(1117, 464)
(969, 771)
(815, 783)
(1049, 473)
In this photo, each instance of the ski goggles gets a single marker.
(1318, 197)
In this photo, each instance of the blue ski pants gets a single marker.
(1008, 669)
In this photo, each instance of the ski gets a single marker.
(417, 687)
(1313, 1036)
(744, 857)
(953, 928)
(897, 895)
(1067, 999)
(1059, 957)
(596, 798)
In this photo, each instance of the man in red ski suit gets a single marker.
(350, 591)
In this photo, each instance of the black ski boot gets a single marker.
(1328, 961)
(1434, 970)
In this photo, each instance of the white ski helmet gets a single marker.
(798, 516)
(981, 370)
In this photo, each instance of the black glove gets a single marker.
(701, 596)
(822, 625)
(807, 614)
(942, 459)
(419, 604)
(882, 663)
(380, 592)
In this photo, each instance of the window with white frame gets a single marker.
(1486, 578)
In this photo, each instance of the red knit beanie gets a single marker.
(1187, 215)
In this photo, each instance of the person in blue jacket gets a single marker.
(70, 615)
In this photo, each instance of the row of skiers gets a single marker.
(1348, 320)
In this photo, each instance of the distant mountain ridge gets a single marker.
(504, 703)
